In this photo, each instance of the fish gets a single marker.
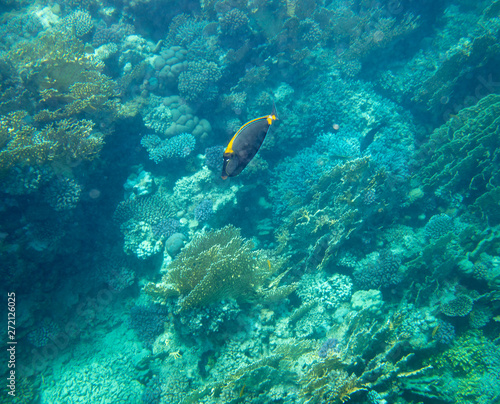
(370, 137)
(245, 144)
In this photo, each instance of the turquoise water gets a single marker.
(356, 258)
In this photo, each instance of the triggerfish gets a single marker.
(246, 143)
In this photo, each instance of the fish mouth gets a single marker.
(224, 177)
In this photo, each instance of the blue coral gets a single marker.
(381, 273)
(213, 158)
(292, 179)
(329, 345)
(179, 146)
(165, 227)
(152, 392)
(115, 34)
(438, 226)
(204, 210)
(445, 333)
(199, 81)
(212, 319)
(63, 193)
(148, 321)
(40, 336)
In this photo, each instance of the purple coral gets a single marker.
(213, 158)
(165, 227)
(382, 273)
(147, 322)
(328, 345)
(40, 336)
(179, 146)
(114, 34)
(444, 333)
(234, 23)
(199, 81)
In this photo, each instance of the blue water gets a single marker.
(356, 258)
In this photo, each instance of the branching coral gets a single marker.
(216, 265)
(66, 140)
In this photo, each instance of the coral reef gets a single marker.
(356, 259)
(460, 306)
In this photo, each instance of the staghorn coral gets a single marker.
(66, 80)
(470, 369)
(213, 266)
(62, 83)
(332, 211)
(459, 60)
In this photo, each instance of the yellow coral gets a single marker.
(66, 141)
(217, 265)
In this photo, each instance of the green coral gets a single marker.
(333, 212)
(472, 363)
(462, 151)
(216, 265)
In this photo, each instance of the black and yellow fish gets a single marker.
(246, 143)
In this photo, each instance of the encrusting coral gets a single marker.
(216, 265)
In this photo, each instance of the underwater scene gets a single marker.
(250, 201)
